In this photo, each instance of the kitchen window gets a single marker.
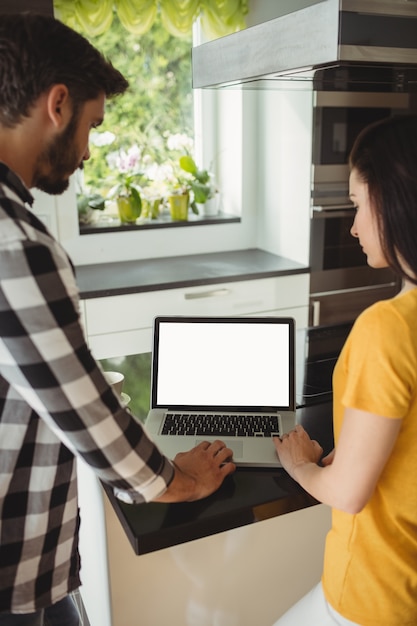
(145, 131)
(146, 143)
(218, 122)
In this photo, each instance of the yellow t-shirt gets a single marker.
(370, 564)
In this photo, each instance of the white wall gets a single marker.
(284, 167)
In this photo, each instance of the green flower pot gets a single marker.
(129, 211)
(178, 206)
(150, 208)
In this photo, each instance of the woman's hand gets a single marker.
(328, 459)
(296, 448)
(347, 477)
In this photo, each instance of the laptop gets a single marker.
(230, 370)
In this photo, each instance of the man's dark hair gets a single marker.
(385, 157)
(37, 52)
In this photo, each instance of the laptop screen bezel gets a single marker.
(159, 320)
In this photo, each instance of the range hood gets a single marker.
(372, 38)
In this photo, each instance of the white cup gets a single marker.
(116, 380)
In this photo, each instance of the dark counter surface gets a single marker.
(112, 279)
(246, 497)
(249, 495)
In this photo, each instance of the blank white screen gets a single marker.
(223, 364)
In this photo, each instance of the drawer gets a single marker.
(136, 311)
(299, 314)
(121, 344)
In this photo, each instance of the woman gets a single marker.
(370, 478)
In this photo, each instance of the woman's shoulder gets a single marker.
(402, 306)
(391, 321)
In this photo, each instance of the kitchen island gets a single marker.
(246, 497)
(249, 495)
(243, 555)
(238, 558)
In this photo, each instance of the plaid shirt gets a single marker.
(54, 403)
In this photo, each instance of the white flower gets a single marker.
(102, 139)
(180, 142)
(159, 173)
(123, 161)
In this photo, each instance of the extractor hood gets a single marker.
(312, 43)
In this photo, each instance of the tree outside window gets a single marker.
(158, 104)
(132, 155)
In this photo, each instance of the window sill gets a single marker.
(114, 225)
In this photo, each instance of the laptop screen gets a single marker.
(211, 363)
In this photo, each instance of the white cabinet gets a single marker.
(122, 325)
(248, 576)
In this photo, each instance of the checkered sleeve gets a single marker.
(45, 359)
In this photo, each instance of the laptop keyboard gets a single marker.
(222, 425)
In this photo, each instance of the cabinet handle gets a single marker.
(316, 312)
(213, 293)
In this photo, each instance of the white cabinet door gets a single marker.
(122, 325)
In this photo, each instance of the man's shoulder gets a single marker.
(17, 222)
(12, 212)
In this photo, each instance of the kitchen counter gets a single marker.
(258, 516)
(246, 497)
(112, 279)
(249, 495)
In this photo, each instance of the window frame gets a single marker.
(219, 120)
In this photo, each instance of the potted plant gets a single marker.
(192, 188)
(128, 200)
(87, 205)
(201, 183)
(155, 191)
(127, 190)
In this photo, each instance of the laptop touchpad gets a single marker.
(235, 446)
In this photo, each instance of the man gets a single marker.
(55, 403)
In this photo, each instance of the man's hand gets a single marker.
(199, 472)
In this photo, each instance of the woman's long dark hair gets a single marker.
(385, 158)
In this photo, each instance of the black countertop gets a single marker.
(112, 279)
(246, 497)
(249, 495)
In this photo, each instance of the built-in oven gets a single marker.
(345, 101)
(341, 282)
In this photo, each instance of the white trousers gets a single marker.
(313, 610)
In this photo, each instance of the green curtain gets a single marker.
(218, 17)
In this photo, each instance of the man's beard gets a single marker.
(60, 158)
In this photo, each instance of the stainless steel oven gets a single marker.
(341, 282)
(345, 101)
(338, 117)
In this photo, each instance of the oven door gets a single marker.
(344, 305)
(331, 244)
(341, 283)
(338, 118)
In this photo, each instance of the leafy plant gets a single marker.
(159, 101)
(200, 182)
(86, 202)
(128, 174)
(91, 200)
